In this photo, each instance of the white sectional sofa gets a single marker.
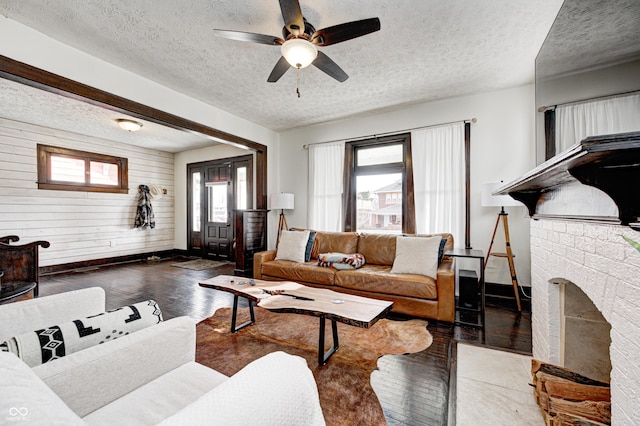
(145, 378)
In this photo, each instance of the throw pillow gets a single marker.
(309, 248)
(292, 245)
(416, 255)
(41, 346)
(443, 242)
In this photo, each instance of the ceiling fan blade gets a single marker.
(292, 15)
(346, 31)
(325, 64)
(278, 71)
(250, 37)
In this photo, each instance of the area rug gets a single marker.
(200, 264)
(346, 395)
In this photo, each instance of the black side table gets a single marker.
(471, 254)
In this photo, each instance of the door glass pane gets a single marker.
(379, 155)
(217, 194)
(103, 173)
(195, 202)
(379, 203)
(67, 169)
(241, 188)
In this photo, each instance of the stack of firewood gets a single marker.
(568, 398)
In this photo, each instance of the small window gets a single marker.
(71, 170)
(380, 155)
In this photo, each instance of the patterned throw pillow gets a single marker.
(341, 261)
(40, 346)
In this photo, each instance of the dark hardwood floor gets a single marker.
(413, 389)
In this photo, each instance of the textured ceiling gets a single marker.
(581, 39)
(27, 104)
(425, 50)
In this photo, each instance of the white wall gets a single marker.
(80, 225)
(502, 148)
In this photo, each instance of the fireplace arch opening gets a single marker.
(585, 335)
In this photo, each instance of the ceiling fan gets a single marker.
(300, 40)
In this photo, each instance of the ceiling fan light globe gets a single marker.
(298, 52)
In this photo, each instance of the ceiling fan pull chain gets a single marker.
(298, 82)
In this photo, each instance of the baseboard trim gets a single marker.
(85, 264)
(501, 295)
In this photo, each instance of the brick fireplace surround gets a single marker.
(606, 268)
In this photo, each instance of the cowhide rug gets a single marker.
(346, 395)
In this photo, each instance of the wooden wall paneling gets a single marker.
(80, 226)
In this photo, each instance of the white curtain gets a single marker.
(439, 180)
(326, 167)
(605, 116)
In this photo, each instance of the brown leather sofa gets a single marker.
(414, 295)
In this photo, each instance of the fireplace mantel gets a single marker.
(610, 163)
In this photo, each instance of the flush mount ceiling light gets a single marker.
(129, 125)
(299, 52)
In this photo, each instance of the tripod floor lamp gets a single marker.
(502, 201)
(281, 201)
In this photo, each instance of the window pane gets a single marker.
(241, 188)
(104, 173)
(195, 202)
(217, 202)
(379, 203)
(379, 155)
(67, 169)
(64, 169)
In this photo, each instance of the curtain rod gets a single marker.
(544, 108)
(358, 138)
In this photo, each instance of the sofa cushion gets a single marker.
(308, 272)
(379, 279)
(416, 255)
(160, 398)
(340, 242)
(378, 249)
(25, 399)
(48, 344)
(140, 357)
(275, 390)
(292, 246)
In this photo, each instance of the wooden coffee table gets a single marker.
(300, 299)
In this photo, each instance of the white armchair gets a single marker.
(144, 378)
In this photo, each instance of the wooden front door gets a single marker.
(217, 221)
(215, 190)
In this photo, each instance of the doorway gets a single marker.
(216, 189)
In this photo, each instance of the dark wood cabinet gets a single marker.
(251, 237)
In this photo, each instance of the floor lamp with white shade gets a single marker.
(281, 201)
(502, 201)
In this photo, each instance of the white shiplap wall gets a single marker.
(80, 225)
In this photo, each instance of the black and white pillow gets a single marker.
(40, 346)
